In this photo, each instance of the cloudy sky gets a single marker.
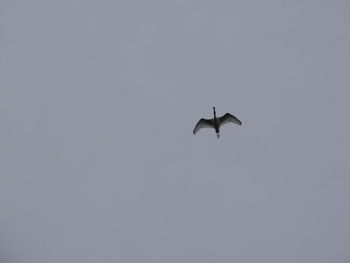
(98, 100)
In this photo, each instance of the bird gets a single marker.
(216, 123)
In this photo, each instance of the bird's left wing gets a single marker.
(202, 123)
(229, 118)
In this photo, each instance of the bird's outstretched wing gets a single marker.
(203, 123)
(229, 118)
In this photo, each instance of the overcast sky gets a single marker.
(98, 100)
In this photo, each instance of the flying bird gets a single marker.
(216, 123)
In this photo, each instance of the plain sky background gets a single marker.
(98, 100)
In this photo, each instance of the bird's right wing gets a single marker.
(203, 123)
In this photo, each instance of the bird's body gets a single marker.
(216, 123)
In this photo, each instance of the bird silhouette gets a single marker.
(216, 123)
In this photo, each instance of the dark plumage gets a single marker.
(216, 123)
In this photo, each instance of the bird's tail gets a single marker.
(218, 135)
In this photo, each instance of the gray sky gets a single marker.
(98, 100)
